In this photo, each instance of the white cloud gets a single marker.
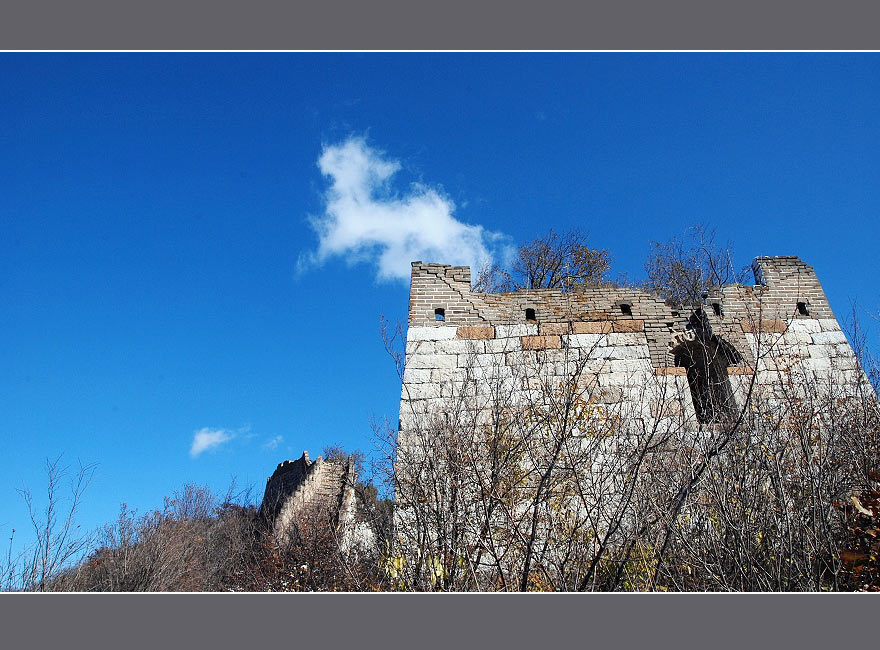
(273, 443)
(205, 439)
(364, 221)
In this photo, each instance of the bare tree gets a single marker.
(554, 261)
(682, 271)
(493, 278)
(59, 540)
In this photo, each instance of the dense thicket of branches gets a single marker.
(552, 488)
(559, 492)
(199, 542)
(555, 261)
(683, 269)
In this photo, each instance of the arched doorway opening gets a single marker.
(706, 358)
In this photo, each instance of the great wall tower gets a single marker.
(631, 341)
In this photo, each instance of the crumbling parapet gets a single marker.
(304, 488)
(630, 339)
(287, 481)
(787, 289)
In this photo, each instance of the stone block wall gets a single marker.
(622, 341)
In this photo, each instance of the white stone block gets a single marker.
(457, 389)
(518, 358)
(622, 378)
(420, 347)
(829, 325)
(584, 341)
(441, 375)
(432, 361)
(800, 351)
(491, 372)
(503, 345)
(820, 351)
(794, 339)
(626, 338)
(564, 368)
(481, 360)
(806, 326)
(752, 340)
(630, 365)
(440, 333)
(416, 375)
(818, 363)
(600, 353)
(522, 329)
(766, 364)
(413, 407)
(630, 352)
(532, 383)
(420, 391)
(829, 337)
(460, 346)
(607, 395)
(740, 383)
(560, 356)
(597, 366)
(845, 362)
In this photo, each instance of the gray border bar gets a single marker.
(438, 621)
(429, 24)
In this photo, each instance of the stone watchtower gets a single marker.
(631, 342)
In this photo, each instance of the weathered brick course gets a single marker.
(591, 327)
(541, 342)
(476, 332)
(629, 326)
(769, 326)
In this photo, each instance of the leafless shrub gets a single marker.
(512, 489)
(682, 270)
(555, 261)
(59, 540)
(528, 481)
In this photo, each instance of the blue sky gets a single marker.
(197, 248)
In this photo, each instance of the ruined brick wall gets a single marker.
(627, 338)
(303, 486)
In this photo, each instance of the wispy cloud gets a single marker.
(365, 221)
(273, 443)
(206, 439)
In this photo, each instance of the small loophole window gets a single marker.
(802, 309)
(716, 307)
(626, 309)
(440, 314)
(530, 314)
